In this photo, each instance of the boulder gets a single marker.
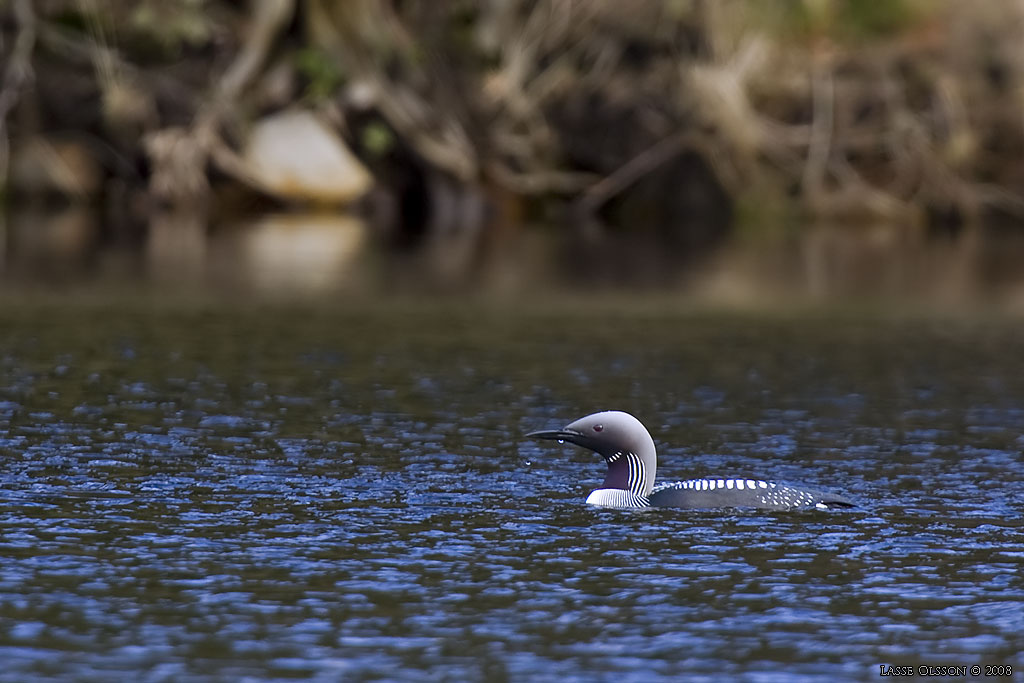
(296, 156)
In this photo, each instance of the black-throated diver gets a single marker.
(627, 447)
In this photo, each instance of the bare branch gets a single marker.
(823, 95)
(16, 77)
(180, 157)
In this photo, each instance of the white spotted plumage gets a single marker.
(760, 491)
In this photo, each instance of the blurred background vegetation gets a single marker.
(733, 148)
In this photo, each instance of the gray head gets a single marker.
(612, 434)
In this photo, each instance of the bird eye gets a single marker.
(598, 428)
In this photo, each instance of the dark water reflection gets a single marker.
(301, 253)
(223, 494)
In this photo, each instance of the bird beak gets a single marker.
(570, 435)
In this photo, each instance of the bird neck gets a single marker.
(630, 472)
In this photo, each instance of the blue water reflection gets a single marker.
(300, 501)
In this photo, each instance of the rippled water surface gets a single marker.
(269, 494)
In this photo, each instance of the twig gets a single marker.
(643, 163)
(540, 181)
(270, 17)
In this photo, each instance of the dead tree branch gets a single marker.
(179, 156)
(17, 76)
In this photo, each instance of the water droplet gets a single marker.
(561, 441)
(528, 463)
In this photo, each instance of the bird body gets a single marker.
(629, 451)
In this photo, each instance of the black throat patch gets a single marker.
(618, 472)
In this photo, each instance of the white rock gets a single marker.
(296, 156)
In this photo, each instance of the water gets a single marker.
(269, 493)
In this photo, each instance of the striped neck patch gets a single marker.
(617, 498)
